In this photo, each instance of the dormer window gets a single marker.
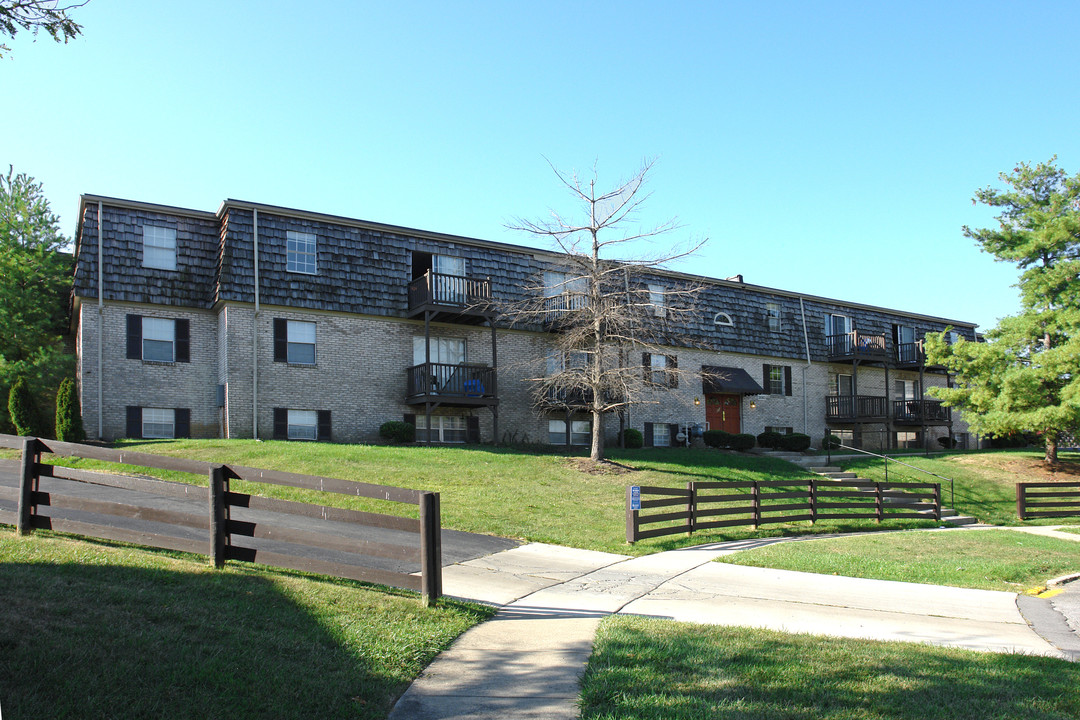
(159, 247)
(300, 252)
(658, 300)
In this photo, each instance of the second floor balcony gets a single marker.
(920, 412)
(856, 408)
(453, 298)
(856, 345)
(459, 385)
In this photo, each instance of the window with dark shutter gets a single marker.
(766, 376)
(648, 435)
(183, 340)
(472, 429)
(673, 374)
(646, 366)
(787, 380)
(324, 426)
(134, 420)
(281, 340)
(673, 434)
(134, 338)
(182, 422)
(281, 424)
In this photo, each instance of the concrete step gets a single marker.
(959, 519)
(840, 475)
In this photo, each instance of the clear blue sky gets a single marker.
(828, 148)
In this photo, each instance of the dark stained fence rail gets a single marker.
(733, 503)
(45, 489)
(1047, 499)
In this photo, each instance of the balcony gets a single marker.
(451, 385)
(856, 408)
(452, 298)
(921, 412)
(856, 345)
(909, 354)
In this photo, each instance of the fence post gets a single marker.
(1020, 500)
(430, 548)
(813, 501)
(28, 484)
(937, 502)
(691, 508)
(219, 522)
(879, 502)
(755, 492)
(631, 518)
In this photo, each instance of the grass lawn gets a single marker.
(538, 497)
(99, 630)
(1073, 529)
(985, 482)
(983, 559)
(644, 669)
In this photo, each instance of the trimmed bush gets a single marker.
(632, 438)
(21, 407)
(742, 441)
(770, 440)
(398, 431)
(795, 442)
(69, 426)
(716, 438)
(830, 442)
(947, 442)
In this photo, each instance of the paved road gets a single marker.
(457, 546)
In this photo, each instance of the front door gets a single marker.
(722, 412)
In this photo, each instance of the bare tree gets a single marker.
(610, 318)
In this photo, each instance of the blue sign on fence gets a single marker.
(635, 497)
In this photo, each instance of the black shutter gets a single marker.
(183, 340)
(766, 371)
(410, 418)
(673, 433)
(648, 435)
(134, 419)
(134, 337)
(182, 423)
(673, 367)
(281, 424)
(281, 340)
(787, 379)
(646, 364)
(472, 429)
(323, 432)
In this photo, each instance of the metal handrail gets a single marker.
(952, 493)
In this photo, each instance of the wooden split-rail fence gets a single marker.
(42, 503)
(1047, 499)
(733, 503)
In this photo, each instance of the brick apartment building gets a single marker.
(270, 322)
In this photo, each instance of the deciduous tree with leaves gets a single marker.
(606, 313)
(36, 15)
(1026, 377)
(35, 282)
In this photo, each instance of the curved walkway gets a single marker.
(526, 661)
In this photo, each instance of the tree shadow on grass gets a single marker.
(97, 640)
(654, 669)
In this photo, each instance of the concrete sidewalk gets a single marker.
(525, 663)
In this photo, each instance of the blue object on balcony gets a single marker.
(474, 388)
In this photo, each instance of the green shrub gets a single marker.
(947, 442)
(830, 442)
(632, 438)
(770, 440)
(398, 431)
(742, 441)
(69, 426)
(21, 407)
(717, 438)
(795, 442)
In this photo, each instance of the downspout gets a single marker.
(806, 345)
(100, 327)
(255, 334)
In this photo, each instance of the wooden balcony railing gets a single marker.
(459, 291)
(910, 353)
(465, 381)
(856, 407)
(856, 345)
(920, 411)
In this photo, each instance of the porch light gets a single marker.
(697, 401)
(753, 404)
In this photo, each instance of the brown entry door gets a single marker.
(722, 412)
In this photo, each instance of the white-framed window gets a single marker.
(301, 342)
(907, 439)
(580, 432)
(906, 389)
(772, 314)
(952, 337)
(303, 425)
(159, 247)
(661, 370)
(777, 429)
(837, 324)
(661, 435)
(563, 292)
(158, 423)
(444, 428)
(658, 300)
(300, 252)
(158, 339)
(559, 361)
(840, 384)
(776, 380)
